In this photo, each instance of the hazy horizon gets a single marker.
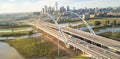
(13, 6)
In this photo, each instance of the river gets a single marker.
(8, 52)
(35, 34)
(102, 30)
(26, 29)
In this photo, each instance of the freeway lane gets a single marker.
(94, 48)
(95, 38)
(56, 34)
(112, 44)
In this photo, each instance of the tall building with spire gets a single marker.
(56, 6)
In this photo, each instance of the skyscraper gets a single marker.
(62, 9)
(56, 6)
(73, 8)
(43, 9)
(49, 9)
(46, 8)
(68, 8)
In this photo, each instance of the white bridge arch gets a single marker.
(89, 28)
(61, 31)
(58, 27)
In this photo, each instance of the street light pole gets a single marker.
(112, 29)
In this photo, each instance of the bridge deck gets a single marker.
(94, 51)
(95, 38)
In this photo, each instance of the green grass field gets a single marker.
(79, 57)
(92, 22)
(101, 20)
(35, 47)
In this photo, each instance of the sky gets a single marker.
(11, 6)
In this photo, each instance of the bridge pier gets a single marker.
(74, 48)
(67, 45)
(84, 53)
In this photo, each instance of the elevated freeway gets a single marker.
(93, 50)
(112, 44)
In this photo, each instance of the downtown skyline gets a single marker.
(11, 6)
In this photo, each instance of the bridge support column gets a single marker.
(74, 48)
(84, 53)
(67, 45)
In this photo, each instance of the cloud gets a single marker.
(11, 0)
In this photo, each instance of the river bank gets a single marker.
(35, 47)
(8, 52)
(32, 47)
